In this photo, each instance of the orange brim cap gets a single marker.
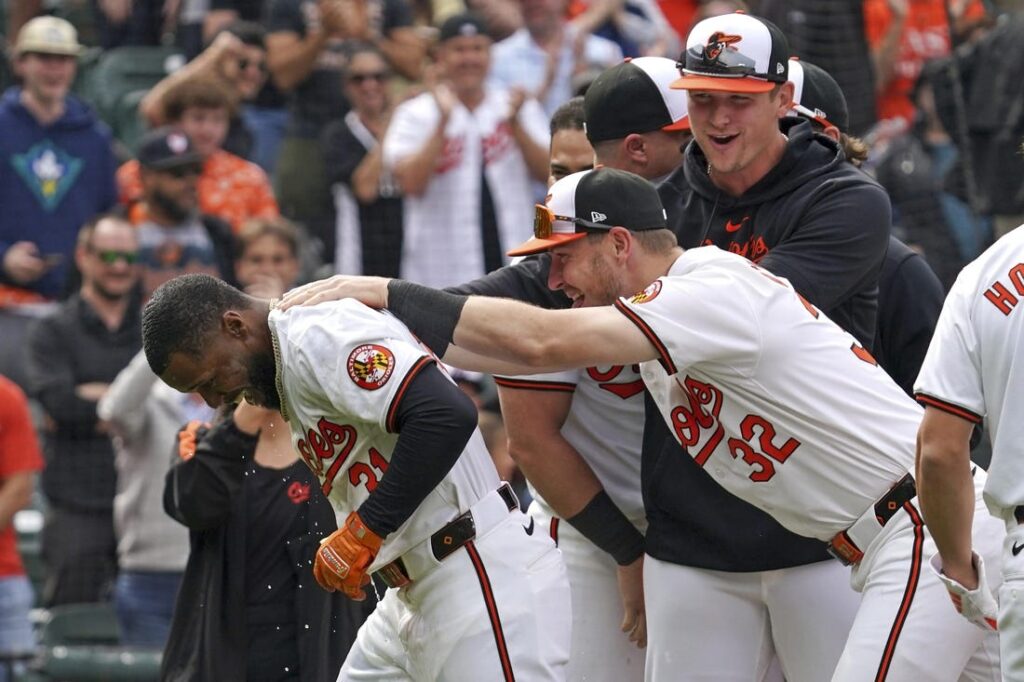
(719, 84)
(536, 245)
(681, 124)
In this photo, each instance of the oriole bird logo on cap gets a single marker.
(717, 42)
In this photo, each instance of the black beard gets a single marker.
(170, 208)
(263, 377)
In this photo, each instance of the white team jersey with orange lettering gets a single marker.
(605, 424)
(727, 332)
(441, 242)
(342, 371)
(975, 363)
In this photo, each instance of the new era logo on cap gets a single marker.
(596, 201)
(734, 53)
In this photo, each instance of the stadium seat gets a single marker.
(80, 643)
(124, 70)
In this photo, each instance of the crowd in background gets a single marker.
(297, 138)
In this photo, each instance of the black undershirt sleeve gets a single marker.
(435, 420)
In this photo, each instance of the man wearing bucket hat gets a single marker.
(768, 396)
(56, 173)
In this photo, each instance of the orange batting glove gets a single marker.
(344, 556)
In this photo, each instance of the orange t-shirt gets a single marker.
(230, 188)
(925, 37)
(19, 452)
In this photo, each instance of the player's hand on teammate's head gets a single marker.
(344, 557)
(976, 604)
(371, 291)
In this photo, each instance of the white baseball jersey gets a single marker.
(605, 424)
(975, 363)
(442, 243)
(727, 332)
(342, 371)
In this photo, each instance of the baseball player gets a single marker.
(393, 441)
(972, 372)
(773, 400)
(586, 426)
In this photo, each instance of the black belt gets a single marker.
(444, 542)
(843, 548)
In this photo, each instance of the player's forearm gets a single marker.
(435, 421)
(549, 466)
(945, 490)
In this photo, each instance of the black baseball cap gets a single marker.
(464, 24)
(166, 148)
(591, 201)
(734, 53)
(634, 97)
(817, 96)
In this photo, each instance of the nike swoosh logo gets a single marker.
(730, 226)
(1016, 549)
(529, 529)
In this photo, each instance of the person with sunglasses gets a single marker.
(175, 235)
(367, 199)
(74, 355)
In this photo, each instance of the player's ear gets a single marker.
(784, 99)
(621, 242)
(636, 147)
(233, 324)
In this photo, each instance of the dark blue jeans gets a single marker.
(145, 604)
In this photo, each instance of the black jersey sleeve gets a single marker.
(435, 420)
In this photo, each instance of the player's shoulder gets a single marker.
(421, 105)
(1001, 261)
(332, 324)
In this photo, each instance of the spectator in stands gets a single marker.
(129, 22)
(268, 257)
(249, 610)
(144, 417)
(541, 57)
(367, 200)
(451, 149)
(903, 35)
(307, 46)
(230, 188)
(74, 355)
(56, 171)
(174, 236)
(237, 61)
(20, 459)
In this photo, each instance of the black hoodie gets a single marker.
(823, 225)
(813, 219)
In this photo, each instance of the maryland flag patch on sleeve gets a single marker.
(370, 366)
(648, 294)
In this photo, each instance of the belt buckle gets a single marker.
(394, 574)
(844, 550)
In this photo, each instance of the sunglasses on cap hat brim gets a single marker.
(727, 71)
(544, 235)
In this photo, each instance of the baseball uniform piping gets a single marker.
(955, 410)
(908, 594)
(527, 385)
(389, 422)
(553, 529)
(492, 611)
(665, 359)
